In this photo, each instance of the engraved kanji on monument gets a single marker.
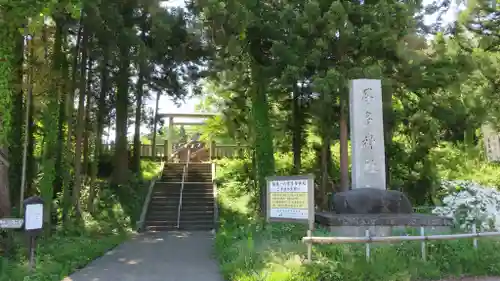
(367, 134)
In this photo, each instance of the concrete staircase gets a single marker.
(198, 202)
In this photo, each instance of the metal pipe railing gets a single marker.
(184, 174)
(147, 200)
(388, 239)
(368, 239)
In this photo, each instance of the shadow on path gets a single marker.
(161, 256)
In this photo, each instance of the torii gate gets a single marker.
(171, 123)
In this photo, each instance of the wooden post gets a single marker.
(212, 150)
(309, 247)
(367, 245)
(170, 137)
(165, 150)
(474, 231)
(423, 244)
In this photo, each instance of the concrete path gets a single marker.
(161, 256)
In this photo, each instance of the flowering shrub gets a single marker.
(470, 203)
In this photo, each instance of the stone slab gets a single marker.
(332, 219)
(383, 231)
(355, 225)
(367, 134)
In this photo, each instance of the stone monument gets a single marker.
(369, 205)
(367, 134)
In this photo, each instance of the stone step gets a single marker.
(179, 173)
(185, 202)
(172, 191)
(176, 186)
(190, 167)
(184, 217)
(188, 205)
(184, 213)
(208, 226)
(172, 214)
(189, 178)
(185, 207)
(180, 170)
(187, 191)
(182, 223)
(175, 194)
(185, 194)
(189, 174)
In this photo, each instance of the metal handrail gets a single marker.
(142, 219)
(216, 204)
(184, 174)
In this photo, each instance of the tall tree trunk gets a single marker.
(61, 136)
(69, 123)
(80, 125)
(99, 127)
(28, 132)
(5, 205)
(88, 123)
(30, 159)
(326, 155)
(344, 145)
(139, 97)
(263, 135)
(137, 130)
(16, 129)
(325, 175)
(50, 121)
(388, 131)
(155, 123)
(120, 171)
(298, 127)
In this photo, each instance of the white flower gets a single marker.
(469, 203)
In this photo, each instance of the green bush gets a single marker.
(461, 164)
(68, 250)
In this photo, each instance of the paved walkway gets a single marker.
(161, 256)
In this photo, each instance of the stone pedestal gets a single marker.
(371, 201)
(355, 225)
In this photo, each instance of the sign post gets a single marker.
(291, 199)
(33, 224)
(11, 223)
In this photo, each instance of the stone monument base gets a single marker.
(355, 225)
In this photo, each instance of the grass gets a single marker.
(62, 253)
(66, 251)
(248, 251)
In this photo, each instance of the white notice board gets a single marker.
(33, 217)
(290, 198)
